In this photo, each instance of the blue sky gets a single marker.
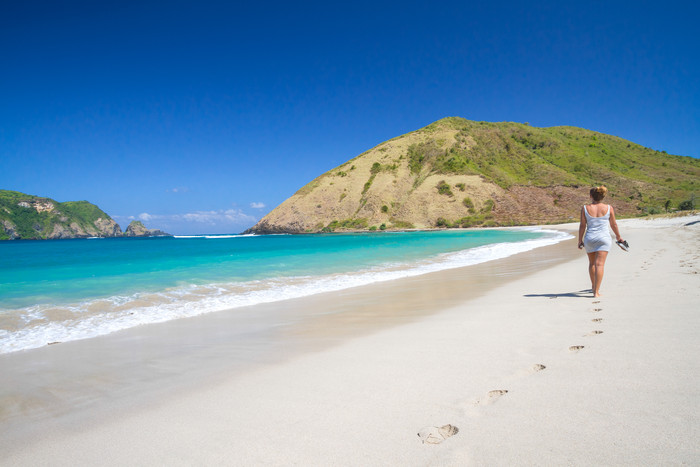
(201, 117)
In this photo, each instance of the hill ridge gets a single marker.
(457, 172)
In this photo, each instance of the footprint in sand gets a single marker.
(593, 333)
(492, 397)
(533, 369)
(436, 435)
(575, 348)
(597, 320)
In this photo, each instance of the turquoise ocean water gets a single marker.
(63, 290)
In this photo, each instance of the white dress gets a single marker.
(597, 236)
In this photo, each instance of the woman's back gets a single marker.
(597, 234)
(597, 210)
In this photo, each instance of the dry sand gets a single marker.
(530, 369)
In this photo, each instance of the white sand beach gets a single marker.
(514, 353)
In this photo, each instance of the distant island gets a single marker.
(29, 217)
(462, 173)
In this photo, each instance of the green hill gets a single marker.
(517, 154)
(25, 216)
(457, 172)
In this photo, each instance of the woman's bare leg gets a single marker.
(591, 269)
(600, 257)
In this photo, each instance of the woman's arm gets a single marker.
(613, 224)
(581, 229)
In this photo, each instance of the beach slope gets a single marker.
(530, 369)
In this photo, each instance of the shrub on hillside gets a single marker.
(442, 222)
(488, 206)
(469, 204)
(688, 204)
(444, 189)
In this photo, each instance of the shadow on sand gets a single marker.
(580, 294)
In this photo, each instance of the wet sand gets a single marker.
(351, 377)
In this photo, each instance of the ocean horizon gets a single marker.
(63, 290)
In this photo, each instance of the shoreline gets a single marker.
(382, 361)
(31, 325)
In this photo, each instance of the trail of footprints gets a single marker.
(596, 309)
(436, 435)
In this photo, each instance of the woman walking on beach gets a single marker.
(595, 219)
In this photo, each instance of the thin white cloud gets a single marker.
(257, 205)
(178, 189)
(216, 217)
(144, 216)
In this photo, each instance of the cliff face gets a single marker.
(31, 217)
(137, 229)
(459, 173)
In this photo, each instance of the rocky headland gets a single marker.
(30, 217)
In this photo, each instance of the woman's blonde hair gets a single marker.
(598, 193)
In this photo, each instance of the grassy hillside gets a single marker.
(517, 154)
(457, 172)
